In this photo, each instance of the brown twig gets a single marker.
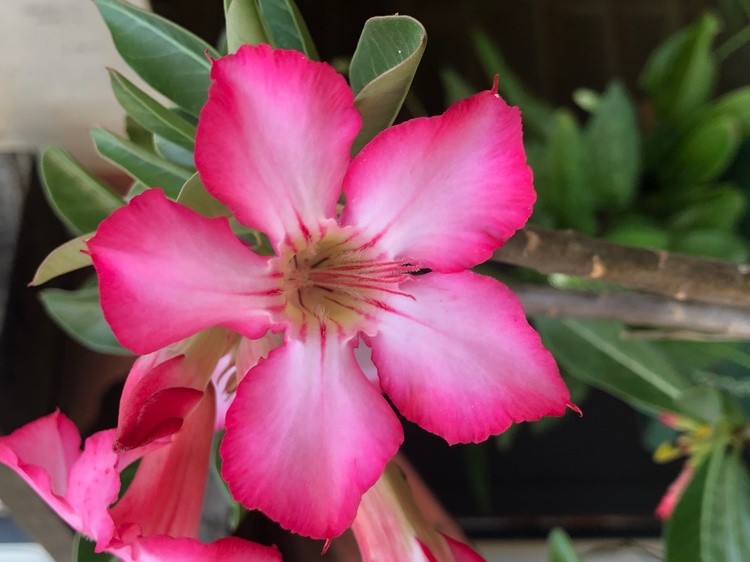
(678, 276)
(673, 317)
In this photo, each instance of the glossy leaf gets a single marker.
(561, 547)
(612, 150)
(140, 164)
(605, 365)
(154, 47)
(538, 117)
(711, 522)
(681, 72)
(79, 314)
(560, 179)
(63, 259)
(244, 24)
(382, 69)
(719, 207)
(194, 195)
(285, 26)
(702, 154)
(150, 114)
(174, 153)
(79, 199)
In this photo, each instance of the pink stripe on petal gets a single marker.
(78, 485)
(462, 361)
(166, 496)
(166, 272)
(307, 435)
(444, 191)
(230, 549)
(273, 139)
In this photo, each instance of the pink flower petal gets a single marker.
(231, 549)
(462, 552)
(166, 496)
(461, 360)
(155, 400)
(166, 272)
(273, 139)
(307, 434)
(444, 191)
(78, 485)
(673, 494)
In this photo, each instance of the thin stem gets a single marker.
(735, 42)
(678, 276)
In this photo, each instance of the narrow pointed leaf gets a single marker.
(244, 24)
(80, 200)
(79, 314)
(285, 26)
(174, 153)
(594, 366)
(612, 146)
(194, 195)
(150, 114)
(382, 68)
(63, 259)
(140, 164)
(154, 47)
(561, 547)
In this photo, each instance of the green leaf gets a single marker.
(735, 105)
(702, 154)
(150, 114)
(154, 47)
(174, 153)
(244, 24)
(612, 146)
(83, 551)
(63, 259)
(194, 195)
(79, 314)
(561, 547)
(140, 164)
(538, 117)
(711, 521)
(80, 200)
(718, 207)
(632, 370)
(285, 26)
(681, 72)
(559, 176)
(382, 69)
(138, 134)
(712, 243)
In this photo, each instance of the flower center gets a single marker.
(339, 280)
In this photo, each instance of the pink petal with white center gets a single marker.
(231, 549)
(155, 400)
(273, 140)
(78, 485)
(166, 272)
(307, 435)
(444, 191)
(462, 361)
(166, 496)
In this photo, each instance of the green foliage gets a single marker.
(194, 195)
(79, 314)
(680, 74)
(244, 24)
(153, 46)
(285, 27)
(560, 547)
(382, 68)
(711, 522)
(79, 199)
(63, 259)
(140, 164)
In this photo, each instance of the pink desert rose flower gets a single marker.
(157, 518)
(673, 494)
(308, 433)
